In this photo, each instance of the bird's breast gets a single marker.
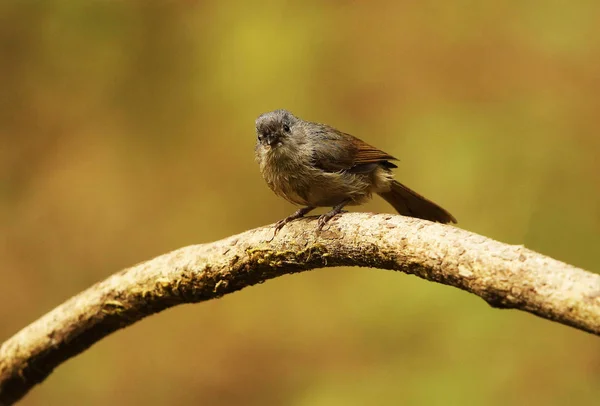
(286, 174)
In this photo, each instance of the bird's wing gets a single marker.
(341, 151)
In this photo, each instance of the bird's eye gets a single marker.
(286, 128)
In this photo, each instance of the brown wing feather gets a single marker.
(366, 154)
(341, 151)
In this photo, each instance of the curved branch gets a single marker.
(505, 276)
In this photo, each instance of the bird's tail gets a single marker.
(409, 203)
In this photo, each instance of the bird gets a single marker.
(315, 165)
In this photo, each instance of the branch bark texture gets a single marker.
(506, 276)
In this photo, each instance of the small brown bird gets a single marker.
(315, 165)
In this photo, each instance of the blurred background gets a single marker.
(127, 131)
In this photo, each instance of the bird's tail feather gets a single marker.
(409, 203)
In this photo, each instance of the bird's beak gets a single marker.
(271, 140)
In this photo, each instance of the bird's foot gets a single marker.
(296, 215)
(324, 218)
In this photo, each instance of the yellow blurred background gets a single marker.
(127, 130)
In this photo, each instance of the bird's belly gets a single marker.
(330, 189)
(317, 188)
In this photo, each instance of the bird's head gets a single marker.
(274, 127)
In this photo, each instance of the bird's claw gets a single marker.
(324, 218)
(321, 222)
(278, 226)
(298, 214)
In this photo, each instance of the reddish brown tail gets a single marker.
(409, 203)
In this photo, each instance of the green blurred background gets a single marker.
(127, 130)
